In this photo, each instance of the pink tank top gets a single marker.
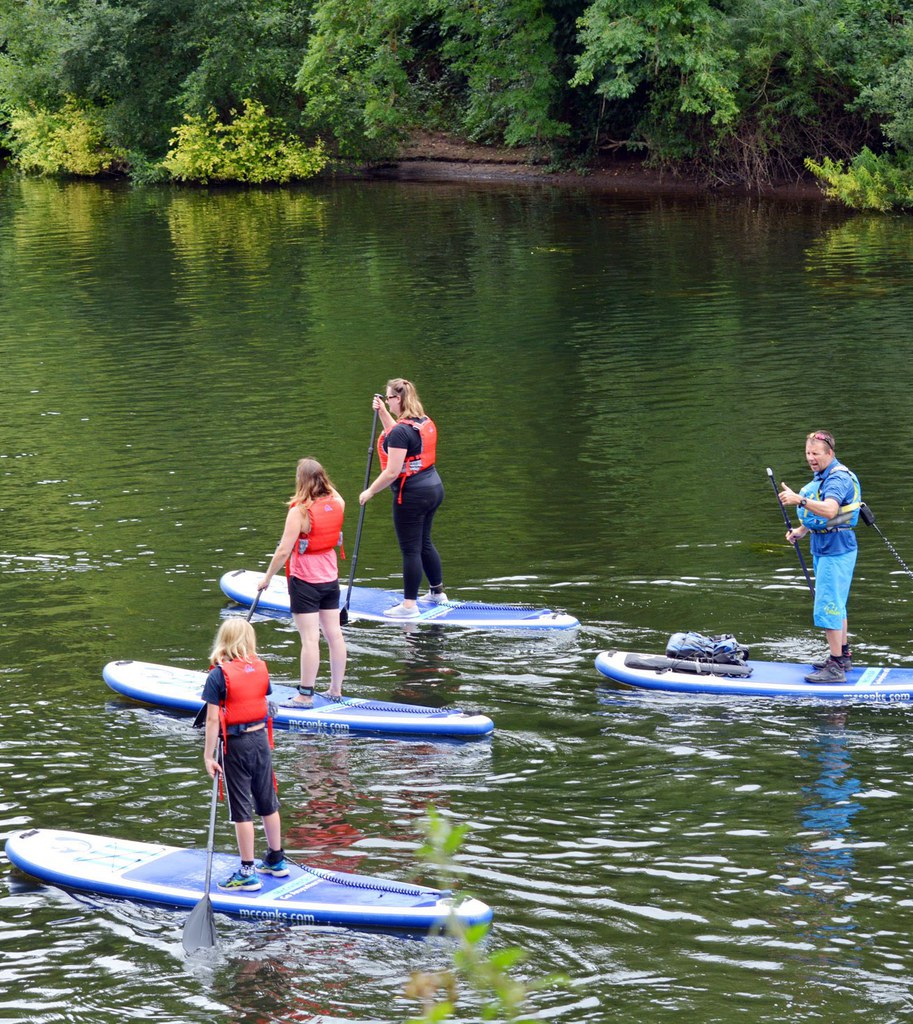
(319, 568)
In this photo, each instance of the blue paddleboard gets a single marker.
(154, 873)
(873, 685)
(181, 689)
(369, 603)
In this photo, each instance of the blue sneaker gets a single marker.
(278, 868)
(242, 882)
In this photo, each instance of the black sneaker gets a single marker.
(845, 660)
(830, 672)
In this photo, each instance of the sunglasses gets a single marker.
(820, 435)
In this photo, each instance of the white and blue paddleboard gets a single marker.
(369, 603)
(154, 873)
(766, 679)
(181, 689)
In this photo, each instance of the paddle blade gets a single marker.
(200, 927)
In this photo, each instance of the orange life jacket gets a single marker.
(326, 515)
(427, 453)
(246, 687)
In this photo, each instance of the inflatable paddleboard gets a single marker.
(369, 603)
(767, 679)
(181, 689)
(153, 873)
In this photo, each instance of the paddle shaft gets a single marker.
(789, 526)
(344, 613)
(210, 841)
(253, 606)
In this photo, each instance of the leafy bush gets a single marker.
(252, 148)
(70, 140)
(870, 182)
(487, 973)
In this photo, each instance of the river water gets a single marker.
(611, 375)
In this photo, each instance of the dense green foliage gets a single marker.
(68, 140)
(869, 181)
(250, 147)
(742, 90)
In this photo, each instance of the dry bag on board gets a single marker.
(715, 650)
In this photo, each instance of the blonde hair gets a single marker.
(235, 640)
(409, 403)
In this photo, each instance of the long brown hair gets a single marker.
(311, 483)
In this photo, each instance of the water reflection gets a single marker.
(824, 865)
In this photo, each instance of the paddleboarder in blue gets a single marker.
(235, 693)
(834, 492)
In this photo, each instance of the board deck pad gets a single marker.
(155, 873)
(873, 685)
(181, 689)
(370, 603)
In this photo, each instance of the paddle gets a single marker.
(789, 526)
(200, 926)
(253, 607)
(344, 611)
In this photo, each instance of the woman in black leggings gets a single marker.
(407, 449)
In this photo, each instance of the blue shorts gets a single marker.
(833, 577)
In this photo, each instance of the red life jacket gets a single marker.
(427, 433)
(326, 515)
(246, 687)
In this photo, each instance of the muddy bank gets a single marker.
(436, 157)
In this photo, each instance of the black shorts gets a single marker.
(306, 598)
(249, 782)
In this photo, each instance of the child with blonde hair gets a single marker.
(235, 693)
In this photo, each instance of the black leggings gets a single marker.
(412, 521)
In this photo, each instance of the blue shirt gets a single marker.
(841, 488)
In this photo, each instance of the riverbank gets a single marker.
(431, 156)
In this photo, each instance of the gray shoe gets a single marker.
(431, 598)
(830, 672)
(845, 660)
(400, 611)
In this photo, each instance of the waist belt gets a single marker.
(237, 730)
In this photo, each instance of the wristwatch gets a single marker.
(803, 503)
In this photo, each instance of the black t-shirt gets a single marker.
(403, 435)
